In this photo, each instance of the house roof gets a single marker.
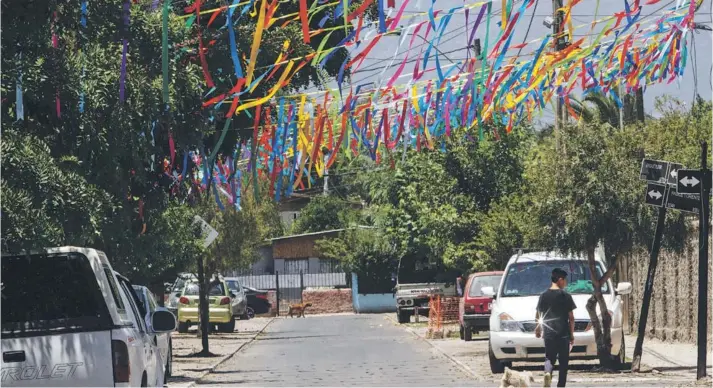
(323, 232)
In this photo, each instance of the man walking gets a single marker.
(556, 319)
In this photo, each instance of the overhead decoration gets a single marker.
(409, 109)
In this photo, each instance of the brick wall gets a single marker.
(328, 300)
(673, 312)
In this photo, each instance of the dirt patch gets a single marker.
(328, 301)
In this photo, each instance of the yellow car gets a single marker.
(220, 312)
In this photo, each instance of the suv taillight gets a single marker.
(120, 361)
(183, 300)
(225, 300)
(261, 296)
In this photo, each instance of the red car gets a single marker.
(474, 307)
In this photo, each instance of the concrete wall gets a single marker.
(673, 313)
(371, 303)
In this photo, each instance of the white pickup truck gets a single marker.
(69, 320)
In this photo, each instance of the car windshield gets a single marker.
(534, 277)
(483, 281)
(192, 289)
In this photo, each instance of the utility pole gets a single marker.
(621, 109)
(326, 174)
(559, 45)
(640, 104)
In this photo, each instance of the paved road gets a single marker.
(369, 350)
(338, 350)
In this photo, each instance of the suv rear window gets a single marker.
(46, 294)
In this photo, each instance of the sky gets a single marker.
(387, 55)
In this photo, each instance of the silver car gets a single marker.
(174, 291)
(162, 340)
(240, 301)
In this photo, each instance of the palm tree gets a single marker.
(604, 108)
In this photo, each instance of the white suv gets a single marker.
(512, 322)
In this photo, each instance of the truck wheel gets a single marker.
(462, 336)
(404, 316)
(183, 327)
(468, 334)
(496, 366)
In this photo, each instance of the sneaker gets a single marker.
(548, 380)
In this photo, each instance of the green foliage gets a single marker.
(588, 193)
(325, 213)
(240, 232)
(45, 201)
(368, 254)
(507, 226)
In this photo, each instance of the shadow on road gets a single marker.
(267, 337)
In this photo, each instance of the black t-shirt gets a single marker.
(554, 308)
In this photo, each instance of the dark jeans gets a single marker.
(558, 349)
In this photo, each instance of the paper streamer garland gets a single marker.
(436, 101)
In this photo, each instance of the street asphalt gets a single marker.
(338, 350)
(369, 350)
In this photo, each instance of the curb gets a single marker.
(463, 367)
(227, 356)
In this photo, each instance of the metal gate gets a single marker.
(288, 287)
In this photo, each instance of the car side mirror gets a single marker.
(163, 321)
(488, 291)
(178, 295)
(624, 288)
(232, 295)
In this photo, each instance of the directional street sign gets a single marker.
(208, 233)
(689, 181)
(655, 194)
(673, 173)
(684, 202)
(654, 170)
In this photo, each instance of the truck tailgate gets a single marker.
(59, 360)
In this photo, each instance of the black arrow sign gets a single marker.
(655, 194)
(689, 181)
(654, 170)
(684, 202)
(673, 173)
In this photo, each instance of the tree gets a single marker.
(45, 201)
(366, 253)
(591, 195)
(325, 213)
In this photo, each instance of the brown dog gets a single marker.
(299, 308)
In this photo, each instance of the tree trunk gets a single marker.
(602, 329)
(204, 326)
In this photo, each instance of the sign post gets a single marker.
(703, 217)
(657, 174)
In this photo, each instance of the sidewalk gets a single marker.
(663, 364)
(663, 356)
(188, 369)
